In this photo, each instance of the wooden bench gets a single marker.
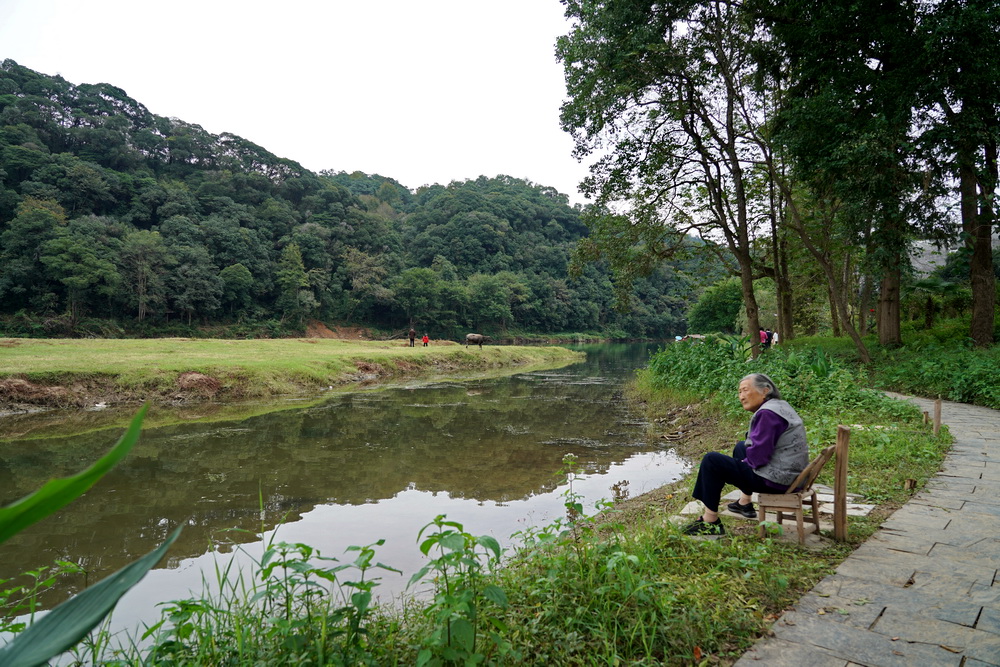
(791, 503)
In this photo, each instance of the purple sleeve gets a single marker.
(764, 431)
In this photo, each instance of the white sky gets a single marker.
(423, 91)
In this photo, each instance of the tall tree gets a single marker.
(962, 91)
(848, 119)
(295, 299)
(143, 263)
(663, 89)
(72, 260)
(194, 283)
(22, 278)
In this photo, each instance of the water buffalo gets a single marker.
(476, 339)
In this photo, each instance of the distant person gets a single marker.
(413, 337)
(763, 338)
(772, 456)
(770, 337)
(774, 338)
(426, 339)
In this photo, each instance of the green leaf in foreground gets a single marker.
(67, 624)
(57, 493)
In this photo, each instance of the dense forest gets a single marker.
(115, 221)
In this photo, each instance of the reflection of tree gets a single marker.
(483, 440)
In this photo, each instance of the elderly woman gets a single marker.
(772, 456)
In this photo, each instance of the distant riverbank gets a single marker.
(38, 373)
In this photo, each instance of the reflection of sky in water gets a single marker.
(333, 528)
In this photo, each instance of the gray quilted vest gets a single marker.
(791, 453)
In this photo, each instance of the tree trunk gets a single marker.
(750, 303)
(779, 246)
(785, 318)
(865, 305)
(834, 322)
(979, 233)
(889, 333)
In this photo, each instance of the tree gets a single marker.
(144, 262)
(294, 298)
(851, 73)
(717, 308)
(73, 261)
(418, 293)
(194, 284)
(366, 274)
(237, 287)
(22, 281)
(963, 86)
(489, 301)
(663, 89)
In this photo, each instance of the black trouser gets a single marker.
(717, 470)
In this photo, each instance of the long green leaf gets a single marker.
(57, 493)
(64, 626)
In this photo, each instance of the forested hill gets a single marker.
(114, 220)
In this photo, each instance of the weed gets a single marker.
(464, 626)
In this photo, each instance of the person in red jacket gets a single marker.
(426, 339)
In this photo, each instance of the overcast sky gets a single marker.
(423, 91)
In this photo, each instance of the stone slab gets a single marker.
(984, 647)
(951, 486)
(858, 612)
(984, 553)
(989, 620)
(915, 601)
(901, 624)
(955, 586)
(985, 594)
(972, 662)
(910, 541)
(924, 498)
(860, 646)
(982, 506)
(853, 509)
(904, 569)
(773, 652)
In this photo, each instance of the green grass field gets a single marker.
(150, 368)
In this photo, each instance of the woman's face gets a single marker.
(751, 397)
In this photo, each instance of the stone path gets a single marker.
(925, 589)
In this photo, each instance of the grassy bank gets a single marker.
(83, 372)
(937, 362)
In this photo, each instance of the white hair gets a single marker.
(764, 384)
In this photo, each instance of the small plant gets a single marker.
(16, 600)
(287, 609)
(460, 613)
(572, 469)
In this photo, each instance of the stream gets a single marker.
(377, 463)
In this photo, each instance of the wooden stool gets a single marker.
(791, 503)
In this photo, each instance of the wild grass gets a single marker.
(937, 362)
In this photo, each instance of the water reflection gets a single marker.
(354, 469)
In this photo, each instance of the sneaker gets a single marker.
(746, 510)
(701, 527)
